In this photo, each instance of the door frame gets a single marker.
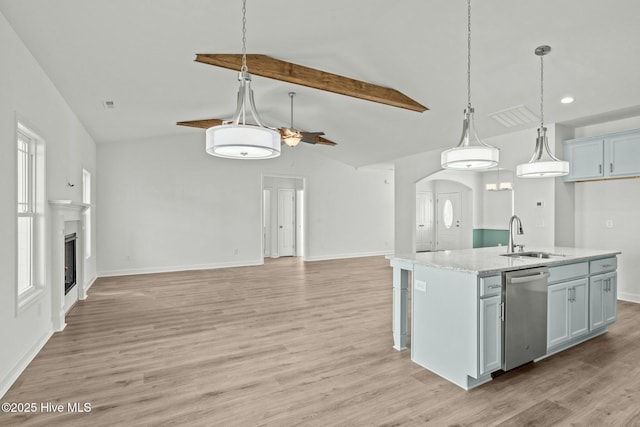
(301, 213)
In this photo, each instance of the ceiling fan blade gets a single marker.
(315, 139)
(312, 133)
(266, 66)
(202, 124)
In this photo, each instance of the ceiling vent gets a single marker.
(514, 116)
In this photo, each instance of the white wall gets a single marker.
(617, 200)
(515, 148)
(28, 93)
(165, 204)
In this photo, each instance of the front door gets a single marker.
(286, 222)
(448, 221)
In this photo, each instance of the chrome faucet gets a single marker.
(512, 245)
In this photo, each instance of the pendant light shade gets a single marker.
(243, 142)
(538, 166)
(235, 138)
(471, 153)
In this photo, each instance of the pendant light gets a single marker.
(235, 138)
(537, 167)
(471, 153)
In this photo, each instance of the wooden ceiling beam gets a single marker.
(266, 66)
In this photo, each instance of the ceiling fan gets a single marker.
(292, 136)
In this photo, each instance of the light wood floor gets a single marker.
(293, 343)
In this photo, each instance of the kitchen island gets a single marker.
(457, 305)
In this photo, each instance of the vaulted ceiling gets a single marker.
(140, 55)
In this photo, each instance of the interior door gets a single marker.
(286, 222)
(448, 235)
(424, 221)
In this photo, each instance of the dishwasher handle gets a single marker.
(523, 279)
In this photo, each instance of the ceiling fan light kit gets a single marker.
(538, 167)
(235, 139)
(471, 153)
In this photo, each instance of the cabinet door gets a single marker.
(557, 315)
(596, 301)
(585, 159)
(490, 334)
(610, 299)
(622, 154)
(578, 309)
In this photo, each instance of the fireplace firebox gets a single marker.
(69, 262)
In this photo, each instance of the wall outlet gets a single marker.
(235, 252)
(420, 286)
(609, 223)
(539, 223)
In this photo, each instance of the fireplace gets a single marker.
(69, 262)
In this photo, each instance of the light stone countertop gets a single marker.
(485, 261)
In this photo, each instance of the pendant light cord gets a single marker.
(469, 54)
(244, 36)
(541, 91)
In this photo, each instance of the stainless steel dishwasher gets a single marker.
(525, 320)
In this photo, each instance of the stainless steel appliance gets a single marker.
(525, 320)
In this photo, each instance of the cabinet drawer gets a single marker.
(568, 271)
(491, 285)
(603, 265)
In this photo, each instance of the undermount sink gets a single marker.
(531, 254)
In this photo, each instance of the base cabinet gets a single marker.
(603, 297)
(567, 311)
(490, 334)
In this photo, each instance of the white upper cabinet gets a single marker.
(608, 156)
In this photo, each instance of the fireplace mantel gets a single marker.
(65, 211)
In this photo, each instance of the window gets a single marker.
(26, 211)
(86, 199)
(30, 213)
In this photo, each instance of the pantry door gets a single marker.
(286, 222)
(424, 221)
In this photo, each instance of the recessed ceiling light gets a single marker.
(567, 100)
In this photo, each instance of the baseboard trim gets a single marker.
(175, 268)
(13, 375)
(625, 296)
(344, 256)
(91, 282)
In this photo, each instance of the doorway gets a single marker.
(283, 216)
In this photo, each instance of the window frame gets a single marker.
(32, 207)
